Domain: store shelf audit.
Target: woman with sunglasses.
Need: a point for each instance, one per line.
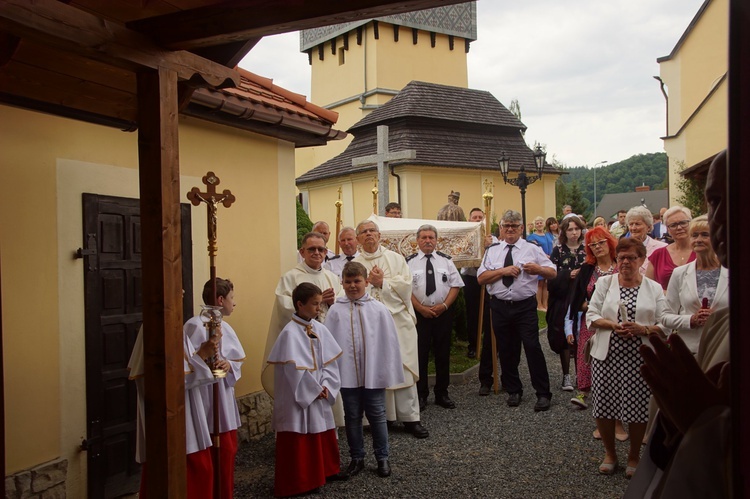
(663, 261)
(696, 289)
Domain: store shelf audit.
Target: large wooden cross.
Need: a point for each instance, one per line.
(382, 158)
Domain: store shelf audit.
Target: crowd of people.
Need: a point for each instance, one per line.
(608, 290)
(351, 336)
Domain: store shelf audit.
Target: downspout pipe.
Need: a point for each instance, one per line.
(666, 100)
(398, 185)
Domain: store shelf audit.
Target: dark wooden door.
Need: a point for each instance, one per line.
(112, 273)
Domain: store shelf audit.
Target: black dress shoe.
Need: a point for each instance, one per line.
(422, 403)
(416, 429)
(341, 476)
(384, 468)
(355, 466)
(445, 401)
(472, 354)
(514, 399)
(542, 404)
(484, 390)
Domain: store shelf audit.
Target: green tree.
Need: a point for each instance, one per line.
(576, 201)
(691, 192)
(304, 224)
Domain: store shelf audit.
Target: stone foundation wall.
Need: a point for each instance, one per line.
(46, 481)
(255, 413)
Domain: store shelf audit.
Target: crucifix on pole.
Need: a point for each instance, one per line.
(382, 158)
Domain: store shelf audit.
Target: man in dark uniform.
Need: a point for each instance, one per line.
(436, 282)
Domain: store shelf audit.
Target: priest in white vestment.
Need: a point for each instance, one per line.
(391, 284)
(310, 270)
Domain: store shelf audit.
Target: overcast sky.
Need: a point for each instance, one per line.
(582, 70)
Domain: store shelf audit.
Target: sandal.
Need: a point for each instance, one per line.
(597, 435)
(629, 472)
(622, 437)
(608, 468)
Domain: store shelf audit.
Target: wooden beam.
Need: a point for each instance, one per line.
(738, 155)
(8, 46)
(243, 19)
(59, 25)
(163, 345)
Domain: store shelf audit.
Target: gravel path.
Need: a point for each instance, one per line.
(483, 448)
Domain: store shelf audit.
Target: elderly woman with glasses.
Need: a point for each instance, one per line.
(624, 309)
(696, 289)
(663, 261)
(640, 223)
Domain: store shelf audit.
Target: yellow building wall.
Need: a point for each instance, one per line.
(376, 64)
(691, 75)
(425, 190)
(52, 161)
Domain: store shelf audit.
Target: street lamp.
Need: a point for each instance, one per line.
(523, 180)
(600, 163)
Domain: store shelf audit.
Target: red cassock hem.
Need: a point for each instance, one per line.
(200, 476)
(304, 460)
(228, 451)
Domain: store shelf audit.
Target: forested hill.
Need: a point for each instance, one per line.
(642, 169)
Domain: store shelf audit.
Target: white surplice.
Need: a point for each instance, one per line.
(284, 308)
(365, 331)
(232, 352)
(197, 375)
(305, 359)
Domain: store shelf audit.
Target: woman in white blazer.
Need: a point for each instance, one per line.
(696, 289)
(624, 309)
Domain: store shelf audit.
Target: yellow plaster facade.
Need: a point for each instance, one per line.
(372, 73)
(695, 76)
(424, 191)
(48, 162)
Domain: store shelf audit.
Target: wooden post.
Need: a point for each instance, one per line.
(163, 345)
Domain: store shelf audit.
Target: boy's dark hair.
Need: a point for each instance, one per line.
(223, 287)
(390, 206)
(354, 269)
(304, 292)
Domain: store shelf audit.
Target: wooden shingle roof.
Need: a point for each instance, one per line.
(449, 127)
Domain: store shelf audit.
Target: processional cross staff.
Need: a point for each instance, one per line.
(487, 197)
(212, 200)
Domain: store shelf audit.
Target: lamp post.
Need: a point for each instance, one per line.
(522, 181)
(600, 163)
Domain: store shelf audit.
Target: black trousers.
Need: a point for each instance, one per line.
(436, 334)
(516, 323)
(471, 297)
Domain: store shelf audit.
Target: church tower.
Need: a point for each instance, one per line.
(359, 66)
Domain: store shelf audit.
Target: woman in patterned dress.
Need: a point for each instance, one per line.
(624, 309)
(568, 256)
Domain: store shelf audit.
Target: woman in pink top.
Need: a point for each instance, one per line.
(663, 261)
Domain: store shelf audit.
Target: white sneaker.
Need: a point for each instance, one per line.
(567, 383)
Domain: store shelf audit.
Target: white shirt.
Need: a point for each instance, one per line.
(525, 285)
(336, 264)
(446, 277)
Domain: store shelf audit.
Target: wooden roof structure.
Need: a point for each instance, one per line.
(142, 60)
(450, 127)
(137, 65)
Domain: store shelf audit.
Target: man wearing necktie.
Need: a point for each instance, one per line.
(348, 245)
(435, 288)
(510, 269)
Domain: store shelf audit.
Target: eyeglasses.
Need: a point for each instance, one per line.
(597, 244)
(696, 235)
(681, 223)
(511, 226)
(626, 258)
(317, 249)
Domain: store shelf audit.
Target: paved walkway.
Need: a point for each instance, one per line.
(482, 448)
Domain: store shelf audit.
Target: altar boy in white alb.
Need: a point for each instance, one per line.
(370, 363)
(197, 435)
(231, 356)
(306, 373)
